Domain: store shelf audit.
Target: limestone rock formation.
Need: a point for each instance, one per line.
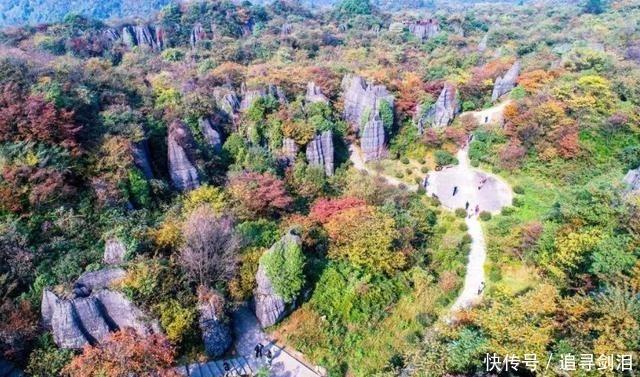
(145, 37)
(97, 280)
(424, 29)
(128, 36)
(182, 171)
(482, 46)
(140, 151)
(633, 179)
(441, 113)
(76, 322)
(197, 34)
(289, 149)
(285, 30)
(506, 83)
(320, 152)
(213, 322)
(373, 140)
(114, 251)
(110, 35)
(211, 135)
(314, 94)
(270, 307)
(250, 95)
(226, 101)
(362, 100)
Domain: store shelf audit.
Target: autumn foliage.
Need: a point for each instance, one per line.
(259, 194)
(125, 354)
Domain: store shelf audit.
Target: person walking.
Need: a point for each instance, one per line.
(466, 206)
(477, 209)
(269, 357)
(258, 348)
(455, 190)
(481, 288)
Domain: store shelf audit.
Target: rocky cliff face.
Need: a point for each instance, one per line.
(289, 150)
(441, 113)
(362, 100)
(114, 251)
(211, 135)
(250, 95)
(506, 83)
(182, 171)
(226, 101)
(270, 307)
(88, 316)
(633, 179)
(482, 46)
(320, 152)
(213, 322)
(197, 34)
(314, 94)
(373, 140)
(424, 29)
(144, 36)
(140, 151)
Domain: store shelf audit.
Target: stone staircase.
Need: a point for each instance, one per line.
(238, 366)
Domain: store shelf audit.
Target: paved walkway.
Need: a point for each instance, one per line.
(485, 190)
(247, 334)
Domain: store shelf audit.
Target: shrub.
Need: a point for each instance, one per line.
(444, 158)
(409, 171)
(211, 196)
(461, 213)
(518, 189)
(284, 266)
(466, 239)
(422, 161)
(172, 55)
(259, 233)
(463, 227)
(424, 170)
(399, 175)
(506, 211)
(485, 216)
(176, 320)
(404, 160)
(517, 202)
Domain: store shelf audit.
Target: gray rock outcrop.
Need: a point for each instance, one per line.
(128, 36)
(213, 322)
(482, 46)
(140, 151)
(320, 152)
(289, 150)
(250, 95)
(197, 34)
(285, 30)
(441, 113)
(314, 94)
(182, 171)
(114, 251)
(211, 135)
(78, 321)
(372, 140)
(424, 29)
(141, 35)
(633, 179)
(270, 307)
(506, 83)
(362, 100)
(145, 37)
(97, 280)
(226, 101)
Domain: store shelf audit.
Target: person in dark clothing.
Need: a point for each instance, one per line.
(455, 190)
(477, 209)
(481, 288)
(258, 350)
(466, 206)
(486, 119)
(269, 357)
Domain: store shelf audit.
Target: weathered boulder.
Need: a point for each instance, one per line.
(197, 34)
(441, 113)
(506, 83)
(289, 149)
(250, 95)
(213, 322)
(372, 140)
(270, 307)
(633, 179)
(140, 151)
(182, 171)
(76, 322)
(97, 280)
(114, 251)
(320, 152)
(424, 29)
(128, 36)
(110, 35)
(482, 46)
(362, 100)
(226, 101)
(314, 94)
(211, 135)
(145, 37)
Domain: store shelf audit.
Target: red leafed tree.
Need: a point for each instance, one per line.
(324, 209)
(18, 328)
(24, 185)
(32, 118)
(259, 194)
(124, 354)
(512, 154)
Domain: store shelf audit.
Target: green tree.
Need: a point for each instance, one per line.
(284, 266)
(351, 8)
